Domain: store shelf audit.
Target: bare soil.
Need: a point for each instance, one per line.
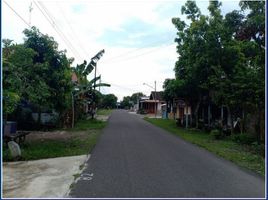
(56, 135)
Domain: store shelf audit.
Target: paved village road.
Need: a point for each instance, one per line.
(136, 159)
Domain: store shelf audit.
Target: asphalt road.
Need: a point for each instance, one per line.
(136, 159)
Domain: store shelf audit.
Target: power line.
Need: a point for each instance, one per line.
(123, 87)
(131, 51)
(55, 27)
(18, 14)
(145, 53)
(72, 30)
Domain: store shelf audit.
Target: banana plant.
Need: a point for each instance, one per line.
(84, 92)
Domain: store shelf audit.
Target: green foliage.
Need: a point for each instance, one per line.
(56, 87)
(244, 138)
(126, 102)
(129, 101)
(105, 112)
(88, 124)
(10, 101)
(136, 96)
(37, 72)
(216, 134)
(221, 58)
(108, 101)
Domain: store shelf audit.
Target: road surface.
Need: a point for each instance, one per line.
(133, 158)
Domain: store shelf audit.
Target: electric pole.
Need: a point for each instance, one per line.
(30, 12)
(155, 98)
(100, 83)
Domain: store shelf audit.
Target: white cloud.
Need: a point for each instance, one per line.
(88, 21)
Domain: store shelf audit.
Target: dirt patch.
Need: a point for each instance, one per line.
(56, 135)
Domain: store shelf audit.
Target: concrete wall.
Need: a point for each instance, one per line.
(46, 117)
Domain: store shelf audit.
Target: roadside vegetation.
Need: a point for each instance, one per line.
(250, 156)
(104, 111)
(46, 94)
(69, 142)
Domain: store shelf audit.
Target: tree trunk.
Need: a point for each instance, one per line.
(196, 113)
(209, 114)
(258, 127)
(229, 119)
(39, 117)
(186, 116)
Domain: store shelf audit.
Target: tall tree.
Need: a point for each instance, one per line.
(52, 62)
(220, 57)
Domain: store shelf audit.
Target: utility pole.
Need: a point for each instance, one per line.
(72, 109)
(155, 98)
(30, 12)
(100, 83)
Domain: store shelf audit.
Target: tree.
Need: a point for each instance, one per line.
(109, 101)
(57, 86)
(126, 102)
(136, 96)
(220, 57)
(20, 77)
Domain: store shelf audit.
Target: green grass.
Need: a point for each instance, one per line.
(89, 124)
(104, 112)
(240, 154)
(50, 148)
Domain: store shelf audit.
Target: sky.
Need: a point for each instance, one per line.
(137, 36)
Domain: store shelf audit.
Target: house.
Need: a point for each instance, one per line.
(179, 110)
(152, 104)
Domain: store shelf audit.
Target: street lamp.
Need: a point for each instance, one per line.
(153, 95)
(75, 89)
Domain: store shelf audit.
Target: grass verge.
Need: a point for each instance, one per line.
(242, 155)
(77, 141)
(106, 112)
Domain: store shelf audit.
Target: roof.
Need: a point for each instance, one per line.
(74, 77)
(149, 101)
(143, 98)
(158, 95)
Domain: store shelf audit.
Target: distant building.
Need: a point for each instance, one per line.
(152, 104)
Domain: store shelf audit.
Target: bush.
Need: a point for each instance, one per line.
(216, 134)
(244, 138)
(142, 111)
(258, 148)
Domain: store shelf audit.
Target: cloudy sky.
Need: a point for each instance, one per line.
(138, 36)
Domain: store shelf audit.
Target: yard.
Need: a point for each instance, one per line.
(247, 156)
(70, 142)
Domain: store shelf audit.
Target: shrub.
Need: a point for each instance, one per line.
(244, 138)
(216, 134)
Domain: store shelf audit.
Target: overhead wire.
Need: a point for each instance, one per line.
(72, 30)
(142, 54)
(52, 22)
(123, 87)
(132, 51)
(18, 14)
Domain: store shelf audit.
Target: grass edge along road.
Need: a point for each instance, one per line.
(105, 112)
(225, 148)
(77, 141)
